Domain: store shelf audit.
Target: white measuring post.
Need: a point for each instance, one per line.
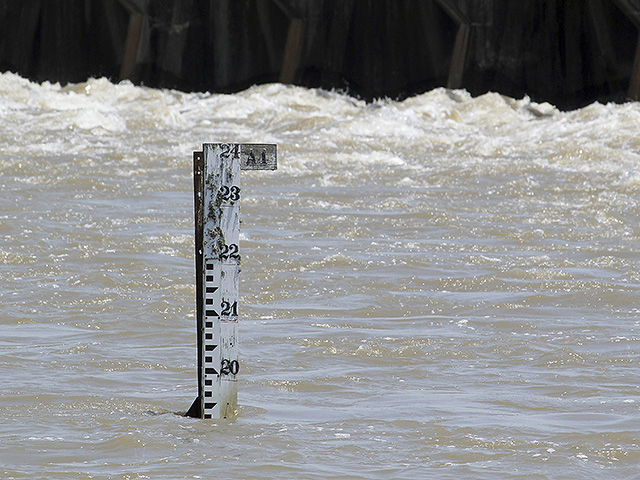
(216, 175)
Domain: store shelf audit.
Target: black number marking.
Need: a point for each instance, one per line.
(230, 252)
(229, 309)
(229, 194)
(229, 367)
(229, 149)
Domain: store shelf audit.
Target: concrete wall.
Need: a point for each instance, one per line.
(568, 52)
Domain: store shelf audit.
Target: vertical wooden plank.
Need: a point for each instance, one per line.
(434, 32)
(292, 51)
(459, 57)
(634, 82)
(606, 66)
(132, 42)
(338, 35)
(220, 39)
(19, 28)
(572, 22)
(460, 47)
(631, 10)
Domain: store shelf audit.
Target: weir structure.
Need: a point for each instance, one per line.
(567, 52)
(216, 177)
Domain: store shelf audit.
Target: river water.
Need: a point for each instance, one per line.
(444, 287)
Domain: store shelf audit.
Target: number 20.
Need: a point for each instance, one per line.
(229, 367)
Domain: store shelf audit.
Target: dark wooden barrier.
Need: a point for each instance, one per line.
(568, 52)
